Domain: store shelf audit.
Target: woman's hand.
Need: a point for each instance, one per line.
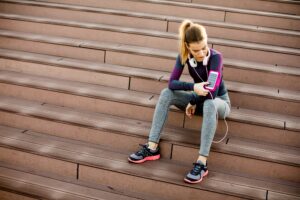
(199, 88)
(190, 110)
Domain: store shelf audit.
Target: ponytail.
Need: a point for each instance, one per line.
(182, 40)
(189, 32)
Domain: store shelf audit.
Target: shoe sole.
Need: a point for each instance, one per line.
(198, 181)
(151, 158)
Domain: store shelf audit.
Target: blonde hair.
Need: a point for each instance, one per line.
(189, 32)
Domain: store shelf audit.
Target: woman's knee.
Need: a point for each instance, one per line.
(166, 95)
(209, 106)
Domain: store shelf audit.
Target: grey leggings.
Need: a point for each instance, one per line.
(180, 99)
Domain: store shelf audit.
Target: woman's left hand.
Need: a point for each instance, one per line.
(190, 110)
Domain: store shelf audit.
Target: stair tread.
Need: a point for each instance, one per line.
(80, 87)
(82, 64)
(139, 128)
(160, 34)
(138, 98)
(142, 73)
(158, 17)
(162, 171)
(101, 157)
(138, 50)
(208, 7)
(223, 8)
(169, 54)
(48, 188)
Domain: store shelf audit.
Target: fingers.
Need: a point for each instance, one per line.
(204, 92)
(193, 111)
(189, 112)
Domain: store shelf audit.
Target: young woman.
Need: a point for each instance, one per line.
(194, 98)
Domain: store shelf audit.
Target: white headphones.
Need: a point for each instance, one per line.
(193, 61)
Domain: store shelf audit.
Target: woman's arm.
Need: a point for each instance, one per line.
(216, 64)
(174, 83)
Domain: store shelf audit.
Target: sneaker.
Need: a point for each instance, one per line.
(144, 154)
(197, 173)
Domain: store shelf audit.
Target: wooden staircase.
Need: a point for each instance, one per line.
(79, 81)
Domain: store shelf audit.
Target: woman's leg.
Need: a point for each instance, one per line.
(211, 110)
(209, 124)
(167, 98)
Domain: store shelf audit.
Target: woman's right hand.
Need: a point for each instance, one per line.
(199, 88)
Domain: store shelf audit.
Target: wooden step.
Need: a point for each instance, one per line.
(47, 188)
(51, 120)
(92, 50)
(130, 78)
(47, 88)
(162, 172)
(8, 195)
(140, 37)
(51, 66)
(243, 95)
(285, 7)
(263, 128)
(189, 10)
(215, 29)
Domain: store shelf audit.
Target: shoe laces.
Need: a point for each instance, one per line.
(197, 168)
(143, 151)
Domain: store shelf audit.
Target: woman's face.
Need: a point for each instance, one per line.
(198, 49)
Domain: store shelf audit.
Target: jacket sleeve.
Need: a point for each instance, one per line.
(174, 83)
(215, 64)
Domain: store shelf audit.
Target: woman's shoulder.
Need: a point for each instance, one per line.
(178, 60)
(214, 52)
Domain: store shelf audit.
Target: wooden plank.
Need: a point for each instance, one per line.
(43, 187)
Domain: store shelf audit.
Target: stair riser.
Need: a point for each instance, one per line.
(251, 131)
(52, 49)
(258, 56)
(260, 103)
(262, 56)
(256, 77)
(89, 103)
(238, 164)
(266, 21)
(238, 99)
(194, 13)
(9, 196)
(268, 6)
(70, 74)
(41, 163)
(278, 196)
(244, 35)
(92, 17)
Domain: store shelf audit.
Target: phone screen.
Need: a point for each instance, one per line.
(212, 79)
